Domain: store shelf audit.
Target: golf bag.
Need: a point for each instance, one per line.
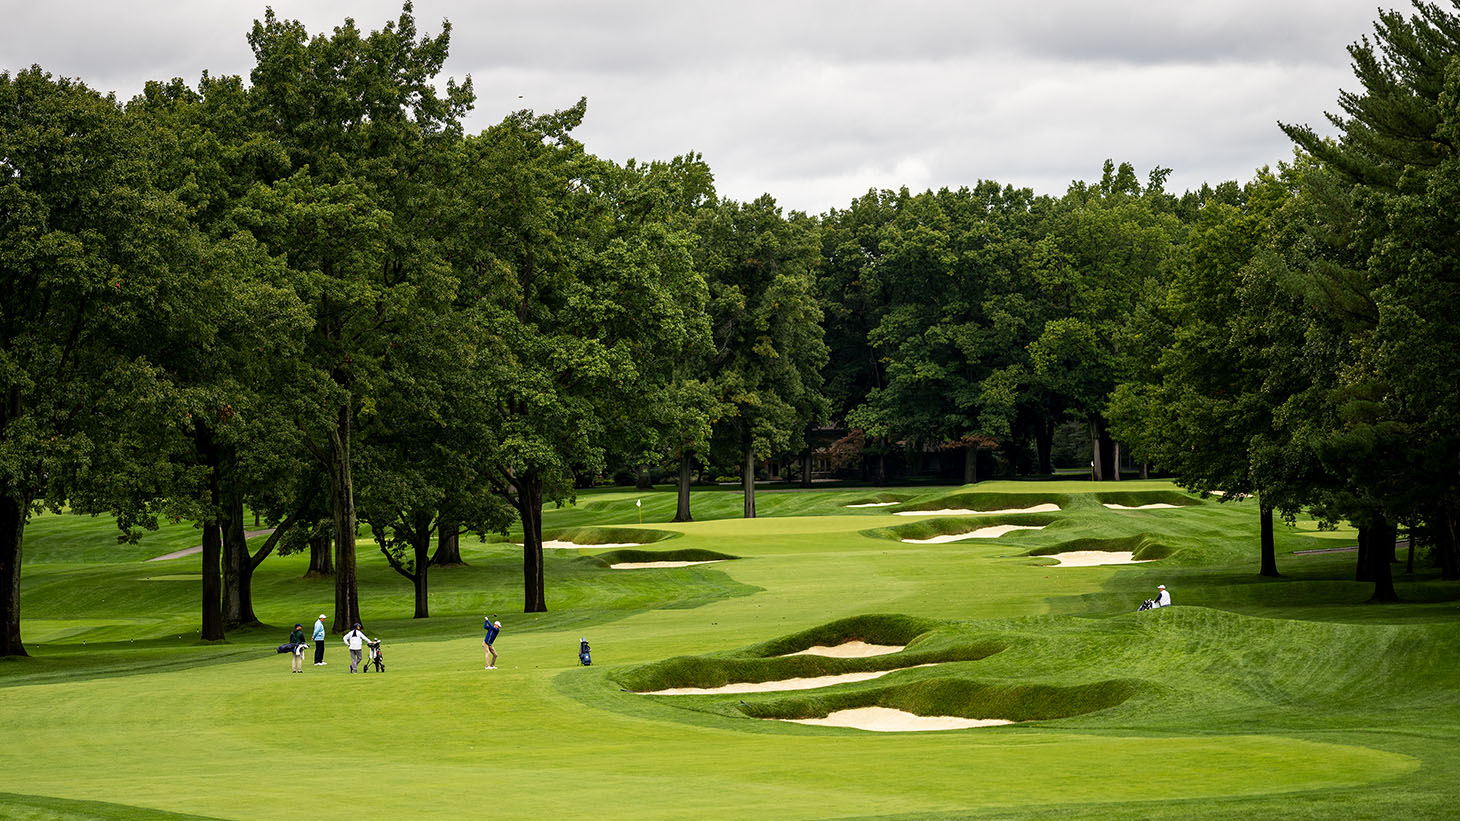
(1146, 605)
(585, 658)
(284, 648)
(377, 658)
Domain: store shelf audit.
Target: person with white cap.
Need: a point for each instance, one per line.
(1163, 598)
(319, 642)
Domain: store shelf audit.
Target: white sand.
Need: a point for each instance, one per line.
(888, 720)
(1091, 558)
(555, 544)
(810, 683)
(1044, 508)
(850, 650)
(1140, 507)
(876, 504)
(982, 533)
(637, 565)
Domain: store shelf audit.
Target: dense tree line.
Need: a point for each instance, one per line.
(312, 295)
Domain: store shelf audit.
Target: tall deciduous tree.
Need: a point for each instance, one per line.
(85, 239)
(360, 117)
(769, 348)
(578, 296)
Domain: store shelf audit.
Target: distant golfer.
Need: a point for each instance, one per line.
(489, 654)
(296, 651)
(319, 642)
(1163, 599)
(355, 640)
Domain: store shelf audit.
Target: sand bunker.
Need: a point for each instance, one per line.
(876, 504)
(888, 720)
(810, 683)
(850, 650)
(982, 533)
(1091, 558)
(638, 565)
(1044, 508)
(1140, 507)
(555, 544)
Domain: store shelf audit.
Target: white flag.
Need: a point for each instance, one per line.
(638, 503)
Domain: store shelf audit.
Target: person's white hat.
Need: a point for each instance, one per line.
(1160, 587)
(321, 615)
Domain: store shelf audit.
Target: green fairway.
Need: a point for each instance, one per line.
(1289, 696)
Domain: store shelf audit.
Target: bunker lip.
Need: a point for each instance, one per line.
(642, 565)
(1093, 558)
(556, 544)
(850, 650)
(810, 683)
(1048, 507)
(888, 720)
(982, 533)
(1155, 506)
(875, 504)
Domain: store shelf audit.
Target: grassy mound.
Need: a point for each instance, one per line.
(948, 525)
(965, 698)
(590, 536)
(1136, 498)
(877, 499)
(1142, 545)
(630, 555)
(764, 662)
(986, 501)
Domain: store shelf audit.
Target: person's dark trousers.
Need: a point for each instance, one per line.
(319, 652)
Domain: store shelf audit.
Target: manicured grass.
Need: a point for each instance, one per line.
(1290, 696)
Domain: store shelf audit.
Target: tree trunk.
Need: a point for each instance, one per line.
(1269, 549)
(1044, 444)
(1145, 470)
(681, 505)
(879, 475)
(320, 544)
(970, 465)
(1381, 556)
(212, 628)
(529, 508)
(342, 504)
(12, 534)
(1103, 453)
(747, 481)
(806, 461)
(237, 563)
(1362, 570)
(421, 542)
(448, 545)
(1445, 548)
(643, 480)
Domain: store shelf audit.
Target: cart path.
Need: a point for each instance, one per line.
(247, 534)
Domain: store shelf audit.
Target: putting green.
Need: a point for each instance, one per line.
(1231, 711)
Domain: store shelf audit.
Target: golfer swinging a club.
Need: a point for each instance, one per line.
(493, 627)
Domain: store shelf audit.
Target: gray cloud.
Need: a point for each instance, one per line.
(816, 101)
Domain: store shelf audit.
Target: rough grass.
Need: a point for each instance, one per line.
(589, 536)
(962, 697)
(629, 554)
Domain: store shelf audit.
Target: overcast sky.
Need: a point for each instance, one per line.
(815, 101)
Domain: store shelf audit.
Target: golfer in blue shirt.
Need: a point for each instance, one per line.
(489, 654)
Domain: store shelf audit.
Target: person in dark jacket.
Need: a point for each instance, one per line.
(296, 655)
